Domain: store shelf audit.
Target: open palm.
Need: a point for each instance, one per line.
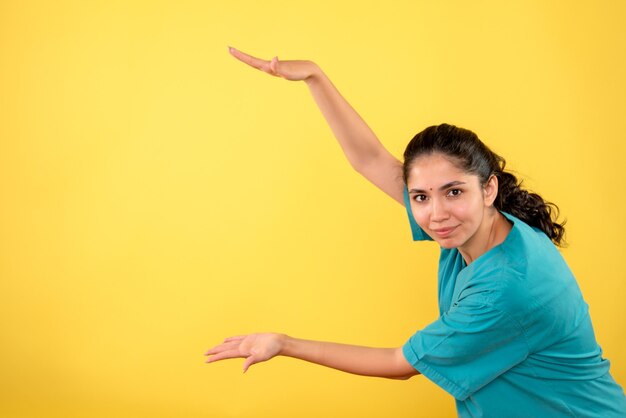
(255, 348)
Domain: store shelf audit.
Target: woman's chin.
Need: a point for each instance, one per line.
(448, 244)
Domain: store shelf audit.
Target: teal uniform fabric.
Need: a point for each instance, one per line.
(514, 337)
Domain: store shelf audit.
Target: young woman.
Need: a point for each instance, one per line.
(514, 337)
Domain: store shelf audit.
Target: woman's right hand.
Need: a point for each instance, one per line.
(290, 70)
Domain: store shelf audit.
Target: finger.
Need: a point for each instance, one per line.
(224, 355)
(249, 362)
(222, 347)
(235, 338)
(257, 63)
(274, 65)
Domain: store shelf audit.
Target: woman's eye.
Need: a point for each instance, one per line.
(419, 197)
(455, 192)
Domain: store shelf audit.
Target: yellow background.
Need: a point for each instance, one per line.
(157, 196)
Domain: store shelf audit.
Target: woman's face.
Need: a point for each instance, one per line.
(447, 203)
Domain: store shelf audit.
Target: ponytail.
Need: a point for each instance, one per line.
(529, 207)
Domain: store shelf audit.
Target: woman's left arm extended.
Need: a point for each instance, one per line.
(365, 361)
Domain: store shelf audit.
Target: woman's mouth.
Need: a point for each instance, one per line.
(444, 232)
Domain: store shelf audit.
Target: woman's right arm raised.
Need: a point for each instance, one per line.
(361, 146)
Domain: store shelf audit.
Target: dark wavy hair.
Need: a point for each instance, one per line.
(469, 154)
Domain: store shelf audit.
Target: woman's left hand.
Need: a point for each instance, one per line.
(255, 348)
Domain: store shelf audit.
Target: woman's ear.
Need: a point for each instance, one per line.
(490, 190)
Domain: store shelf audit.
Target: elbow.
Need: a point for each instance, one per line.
(359, 165)
(403, 369)
(406, 376)
(365, 161)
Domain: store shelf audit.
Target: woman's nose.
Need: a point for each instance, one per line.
(438, 211)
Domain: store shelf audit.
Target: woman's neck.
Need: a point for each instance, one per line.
(492, 232)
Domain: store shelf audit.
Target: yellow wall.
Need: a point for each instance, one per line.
(157, 196)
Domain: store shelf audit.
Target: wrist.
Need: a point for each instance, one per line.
(315, 74)
(284, 343)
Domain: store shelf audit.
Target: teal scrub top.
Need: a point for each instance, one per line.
(514, 337)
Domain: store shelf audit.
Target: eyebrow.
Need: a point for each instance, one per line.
(442, 188)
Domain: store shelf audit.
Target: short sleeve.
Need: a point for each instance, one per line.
(417, 232)
(467, 347)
